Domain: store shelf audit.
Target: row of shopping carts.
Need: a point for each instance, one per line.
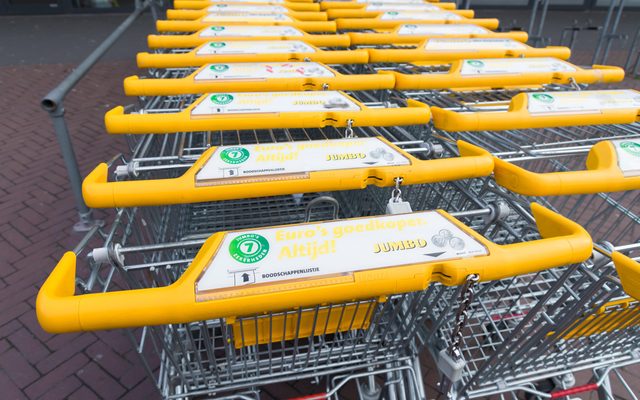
(331, 192)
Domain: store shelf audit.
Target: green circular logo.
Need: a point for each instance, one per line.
(234, 155)
(475, 63)
(222, 98)
(218, 28)
(217, 45)
(543, 97)
(249, 248)
(632, 148)
(219, 67)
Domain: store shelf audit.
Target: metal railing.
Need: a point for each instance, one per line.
(53, 103)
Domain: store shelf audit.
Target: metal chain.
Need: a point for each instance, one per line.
(466, 297)
(348, 133)
(396, 193)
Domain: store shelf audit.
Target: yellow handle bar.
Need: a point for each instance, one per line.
(193, 26)
(195, 83)
(423, 53)
(457, 78)
(199, 5)
(362, 13)
(117, 122)
(195, 58)
(518, 115)
(629, 273)
(376, 23)
(603, 174)
(191, 15)
(60, 310)
(384, 38)
(331, 5)
(475, 162)
(197, 39)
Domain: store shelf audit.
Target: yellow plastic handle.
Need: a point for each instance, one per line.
(196, 14)
(117, 122)
(475, 162)
(335, 5)
(602, 175)
(134, 86)
(455, 79)
(422, 54)
(363, 13)
(199, 5)
(376, 23)
(519, 117)
(384, 38)
(59, 310)
(192, 59)
(197, 39)
(194, 26)
(629, 273)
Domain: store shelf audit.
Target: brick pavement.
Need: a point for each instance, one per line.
(36, 215)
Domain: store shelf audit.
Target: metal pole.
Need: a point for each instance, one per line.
(628, 64)
(614, 32)
(604, 33)
(53, 104)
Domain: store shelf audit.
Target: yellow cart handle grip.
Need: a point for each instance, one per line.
(98, 192)
(193, 26)
(365, 38)
(336, 5)
(454, 78)
(191, 59)
(195, 40)
(363, 13)
(420, 54)
(59, 310)
(602, 175)
(629, 273)
(117, 122)
(518, 117)
(199, 5)
(375, 23)
(134, 86)
(191, 15)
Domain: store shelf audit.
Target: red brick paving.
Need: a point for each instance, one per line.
(36, 216)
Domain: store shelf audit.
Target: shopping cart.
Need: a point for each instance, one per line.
(258, 9)
(429, 12)
(531, 333)
(448, 49)
(225, 33)
(249, 51)
(438, 49)
(418, 32)
(264, 110)
(480, 76)
(535, 151)
(541, 110)
(393, 19)
(357, 323)
(246, 5)
(244, 19)
(328, 5)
